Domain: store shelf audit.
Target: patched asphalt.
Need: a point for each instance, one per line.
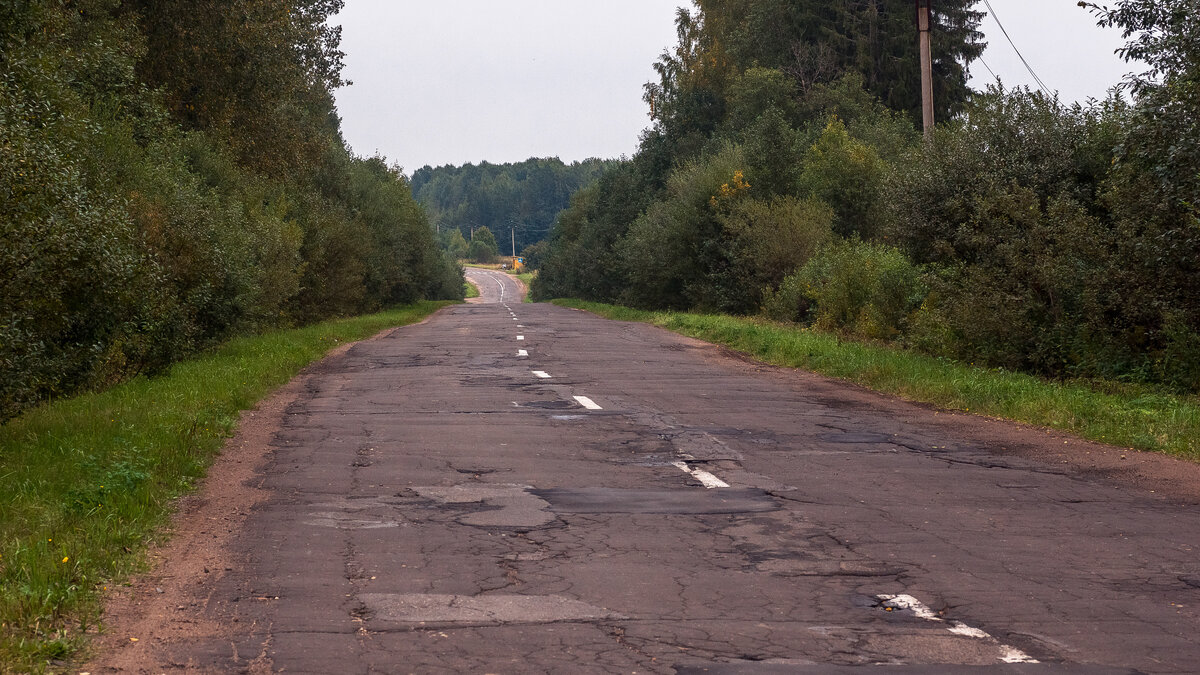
(436, 507)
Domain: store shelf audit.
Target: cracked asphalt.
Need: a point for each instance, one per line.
(434, 506)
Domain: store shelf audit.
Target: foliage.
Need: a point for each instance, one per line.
(534, 254)
(172, 176)
(846, 174)
(859, 288)
(454, 244)
(482, 248)
(1058, 240)
(525, 196)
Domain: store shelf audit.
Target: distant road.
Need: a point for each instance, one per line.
(494, 287)
(514, 488)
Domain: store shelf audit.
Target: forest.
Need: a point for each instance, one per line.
(514, 200)
(784, 176)
(172, 174)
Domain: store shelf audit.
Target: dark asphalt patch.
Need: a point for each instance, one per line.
(856, 437)
(675, 502)
(551, 405)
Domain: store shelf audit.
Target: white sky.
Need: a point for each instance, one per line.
(456, 81)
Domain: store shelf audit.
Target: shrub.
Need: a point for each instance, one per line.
(859, 288)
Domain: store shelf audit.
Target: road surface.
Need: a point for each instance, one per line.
(516, 488)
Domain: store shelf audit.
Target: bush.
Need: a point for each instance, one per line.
(674, 254)
(846, 174)
(483, 248)
(771, 238)
(855, 287)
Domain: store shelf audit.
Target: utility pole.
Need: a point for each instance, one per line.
(513, 231)
(924, 24)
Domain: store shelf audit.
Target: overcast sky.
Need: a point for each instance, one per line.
(456, 81)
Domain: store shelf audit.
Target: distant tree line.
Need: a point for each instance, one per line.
(525, 197)
(784, 176)
(172, 174)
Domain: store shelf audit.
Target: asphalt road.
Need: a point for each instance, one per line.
(517, 488)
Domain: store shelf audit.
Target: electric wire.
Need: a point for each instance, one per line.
(1041, 85)
(989, 68)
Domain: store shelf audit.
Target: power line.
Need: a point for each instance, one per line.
(989, 68)
(1041, 85)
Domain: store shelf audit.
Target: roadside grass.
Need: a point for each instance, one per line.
(527, 279)
(1114, 413)
(86, 483)
(472, 291)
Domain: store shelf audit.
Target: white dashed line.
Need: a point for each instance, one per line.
(588, 403)
(541, 373)
(522, 352)
(706, 479)
(520, 337)
(1008, 654)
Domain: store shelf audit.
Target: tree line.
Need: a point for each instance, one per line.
(520, 200)
(172, 174)
(784, 176)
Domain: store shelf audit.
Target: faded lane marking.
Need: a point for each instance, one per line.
(541, 373)
(588, 403)
(522, 352)
(1008, 653)
(520, 337)
(706, 479)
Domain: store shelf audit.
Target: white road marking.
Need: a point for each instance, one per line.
(1008, 654)
(541, 373)
(522, 352)
(1014, 655)
(706, 479)
(588, 403)
(520, 337)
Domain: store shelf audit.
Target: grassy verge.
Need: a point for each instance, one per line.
(527, 279)
(1124, 416)
(85, 483)
(472, 291)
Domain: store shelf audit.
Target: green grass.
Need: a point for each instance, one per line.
(86, 483)
(472, 291)
(1107, 412)
(527, 279)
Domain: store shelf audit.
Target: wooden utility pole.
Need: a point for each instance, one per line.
(924, 24)
(513, 230)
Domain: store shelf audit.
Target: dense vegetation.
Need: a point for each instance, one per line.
(784, 176)
(522, 198)
(171, 175)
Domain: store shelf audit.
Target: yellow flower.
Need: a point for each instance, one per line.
(66, 558)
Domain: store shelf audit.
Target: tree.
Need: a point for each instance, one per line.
(483, 247)
(527, 195)
(454, 243)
